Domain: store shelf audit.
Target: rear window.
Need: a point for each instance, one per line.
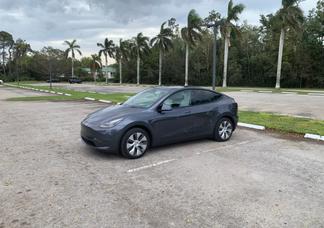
(203, 97)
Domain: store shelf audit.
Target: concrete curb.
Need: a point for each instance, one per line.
(314, 137)
(315, 94)
(289, 92)
(105, 101)
(252, 126)
(89, 99)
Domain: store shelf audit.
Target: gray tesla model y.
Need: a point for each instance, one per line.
(160, 116)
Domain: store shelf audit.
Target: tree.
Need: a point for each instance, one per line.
(191, 34)
(122, 53)
(289, 16)
(140, 48)
(227, 27)
(163, 42)
(107, 49)
(6, 42)
(72, 48)
(21, 48)
(95, 65)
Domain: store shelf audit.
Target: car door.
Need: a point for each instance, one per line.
(203, 109)
(174, 124)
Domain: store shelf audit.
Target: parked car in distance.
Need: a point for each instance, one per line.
(1, 82)
(160, 116)
(75, 80)
(53, 80)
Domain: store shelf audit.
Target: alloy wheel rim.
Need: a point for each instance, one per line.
(136, 144)
(225, 129)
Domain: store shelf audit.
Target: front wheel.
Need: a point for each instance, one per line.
(223, 130)
(135, 143)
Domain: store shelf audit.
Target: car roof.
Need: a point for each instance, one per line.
(176, 88)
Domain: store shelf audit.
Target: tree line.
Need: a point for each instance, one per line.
(286, 49)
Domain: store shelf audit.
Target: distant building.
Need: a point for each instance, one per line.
(109, 70)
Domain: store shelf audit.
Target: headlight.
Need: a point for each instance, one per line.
(111, 123)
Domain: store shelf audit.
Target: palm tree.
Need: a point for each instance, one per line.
(72, 47)
(164, 43)
(95, 65)
(289, 16)
(139, 48)
(227, 27)
(107, 49)
(191, 34)
(122, 52)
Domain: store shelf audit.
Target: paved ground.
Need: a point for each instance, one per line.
(289, 104)
(48, 178)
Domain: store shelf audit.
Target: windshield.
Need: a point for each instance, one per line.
(146, 98)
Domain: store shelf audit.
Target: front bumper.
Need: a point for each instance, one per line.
(99, 138)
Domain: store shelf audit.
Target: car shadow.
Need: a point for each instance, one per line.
(101, 154)
(111, 155)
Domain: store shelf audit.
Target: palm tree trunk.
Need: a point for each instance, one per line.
(225, 61)
(9, 65)
(281, 46)
(187, 64)
(106, 73)
(72, 67)
(17, 70)
(3, 61)
(138, 69)
(120, 72)
(160, 68)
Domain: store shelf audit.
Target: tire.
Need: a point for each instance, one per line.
(134, 143)
(223, 130)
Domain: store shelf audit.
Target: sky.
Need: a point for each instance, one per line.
(50, 22)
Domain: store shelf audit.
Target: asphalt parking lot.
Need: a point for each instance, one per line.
(49, 178)
(309, 106)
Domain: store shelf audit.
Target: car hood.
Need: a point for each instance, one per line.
(110, 113)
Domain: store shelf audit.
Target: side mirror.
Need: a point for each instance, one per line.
(165, 108)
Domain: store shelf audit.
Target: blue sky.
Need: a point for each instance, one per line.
(50, 22)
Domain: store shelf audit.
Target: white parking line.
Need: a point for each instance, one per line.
(150, 166)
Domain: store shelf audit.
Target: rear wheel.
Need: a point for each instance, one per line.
(135, 143)
(223, 130)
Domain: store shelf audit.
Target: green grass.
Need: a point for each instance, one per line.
(283, 123)
(75, 95)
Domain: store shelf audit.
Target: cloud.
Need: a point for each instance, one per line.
(51, 22)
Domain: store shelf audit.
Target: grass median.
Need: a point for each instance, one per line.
(282, 123)
(75, 95)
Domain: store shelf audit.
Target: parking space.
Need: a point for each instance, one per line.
(49, 178)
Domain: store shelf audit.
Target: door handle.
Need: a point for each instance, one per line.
(187, 112)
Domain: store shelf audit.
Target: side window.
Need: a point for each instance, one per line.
(203, 97)
(180, 99)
